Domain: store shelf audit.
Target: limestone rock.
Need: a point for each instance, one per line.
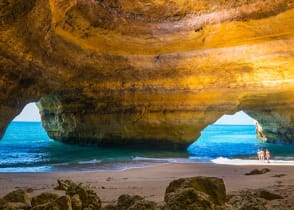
(110, 207)
(212, 186)
(132, 202)
(125, 201)
(188, 199)
(61, 203)
(65, 185)
(19, 197)
(268, 195)
(258, 171)
(44, 198)
(245, 201)
(143, 205)
(146, 72)
(14, 206)
(82, 196)
(76, 202)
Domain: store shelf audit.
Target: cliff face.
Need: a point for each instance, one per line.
(147, 72)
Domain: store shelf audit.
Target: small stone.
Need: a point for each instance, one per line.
(268, 195)
(278, 175)
(258, 172)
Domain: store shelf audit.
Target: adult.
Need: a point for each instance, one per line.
(261, 155)
(258, 154)
(267, 155)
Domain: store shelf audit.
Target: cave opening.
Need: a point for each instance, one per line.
(231, 136)
(26, 126)
(22, 142)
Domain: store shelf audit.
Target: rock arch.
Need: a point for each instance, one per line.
(147, 72)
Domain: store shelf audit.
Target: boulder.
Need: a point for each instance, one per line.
(132, 202)
(212, 186)
(188, 199)
(110, 207)
(82, 196)
(143, 205)
(44, 198)
(61, 203)
(246, 201)
(14, 206)
(76, 202)
(125, 201)
(19, 196)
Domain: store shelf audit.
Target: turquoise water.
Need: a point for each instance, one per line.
(26, 147)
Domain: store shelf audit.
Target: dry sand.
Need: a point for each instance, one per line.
(152, 181)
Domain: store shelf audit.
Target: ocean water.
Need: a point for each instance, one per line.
(26, 147)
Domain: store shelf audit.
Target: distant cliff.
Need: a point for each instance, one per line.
(147, 72)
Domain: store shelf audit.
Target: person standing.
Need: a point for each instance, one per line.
(261, 155)
(258, 154)
(267, 155)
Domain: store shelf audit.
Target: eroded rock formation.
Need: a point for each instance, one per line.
(147, 72)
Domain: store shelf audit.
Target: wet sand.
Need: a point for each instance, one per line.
(152, 181)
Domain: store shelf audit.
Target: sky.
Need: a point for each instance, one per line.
(31, 113)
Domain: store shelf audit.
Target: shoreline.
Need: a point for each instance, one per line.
(150, 181)
(90, 166)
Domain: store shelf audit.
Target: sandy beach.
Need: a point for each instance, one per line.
(152, 181)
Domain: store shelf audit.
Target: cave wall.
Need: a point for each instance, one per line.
(152, 72)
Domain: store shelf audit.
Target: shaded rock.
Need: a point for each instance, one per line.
(278, 175)
(94, 200)
(268, 195)
(76, 202)
(212, 186)
(61, 203)
(82, 196)
(125, 201)
(132, 202)
(257, 171)
(81, 192)
(246, 201)
(110, 207)
(44, 198)
(143, 205)
(65, 184)
(188, 199)
(19, 196)
(14, 206)
(40, 207)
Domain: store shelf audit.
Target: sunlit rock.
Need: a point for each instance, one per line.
(149, 72)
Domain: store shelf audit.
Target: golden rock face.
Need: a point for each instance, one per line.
(147, 72)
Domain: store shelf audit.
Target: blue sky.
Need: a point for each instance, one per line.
(31, 113)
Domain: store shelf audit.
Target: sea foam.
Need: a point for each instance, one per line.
(227, 161)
